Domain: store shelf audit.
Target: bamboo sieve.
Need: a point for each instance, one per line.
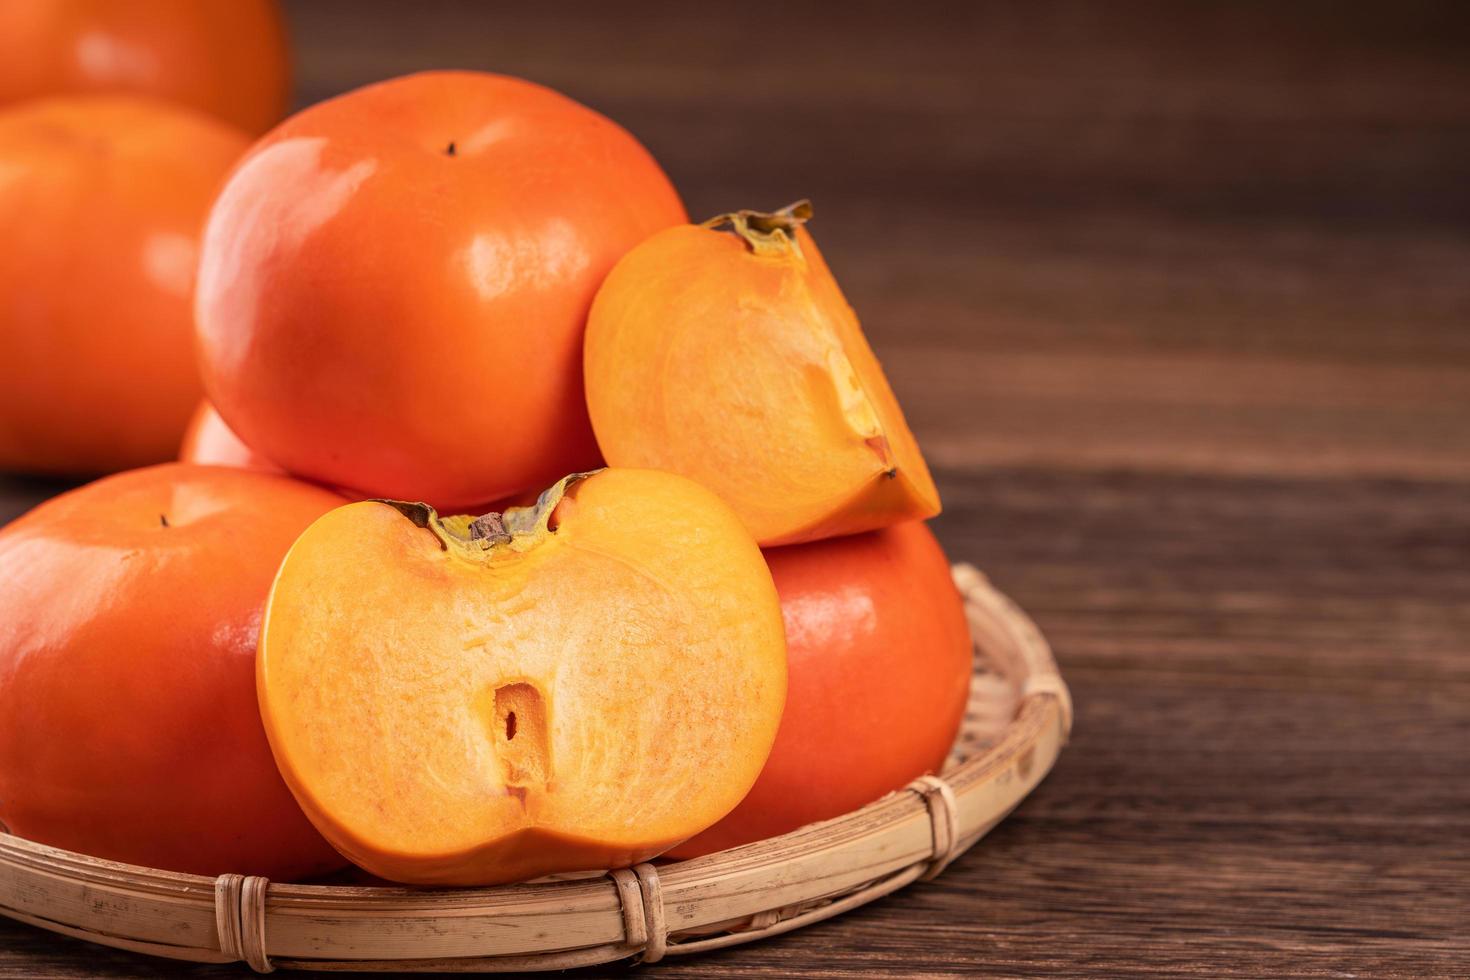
(1018, 717)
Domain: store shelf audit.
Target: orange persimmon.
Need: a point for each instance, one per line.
(579, 684)
(733, 359)
(226, 58)
(128, 625)
(209, 441)
(395, 282)
(879, 674)
(101, 203)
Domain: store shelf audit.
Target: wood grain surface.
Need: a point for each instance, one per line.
(1177, 297)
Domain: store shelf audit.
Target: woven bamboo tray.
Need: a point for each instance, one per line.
(1018, 718)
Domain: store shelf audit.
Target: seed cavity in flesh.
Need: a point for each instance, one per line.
(522, 737)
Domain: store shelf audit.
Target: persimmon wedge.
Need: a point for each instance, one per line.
(575, 685)
(731, 357)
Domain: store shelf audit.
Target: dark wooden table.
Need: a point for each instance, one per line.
(1178, 299)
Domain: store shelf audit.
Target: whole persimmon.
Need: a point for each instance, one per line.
(395, 282)
(731, 357)
(209, 441)
(570, 686)
(879, 665)
(227, 58)
(101, 203)
(129, 615)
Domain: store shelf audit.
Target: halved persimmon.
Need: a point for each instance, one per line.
(733, 358)
(575, 685)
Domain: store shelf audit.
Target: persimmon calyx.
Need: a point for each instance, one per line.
(516, 530)
(766, 232)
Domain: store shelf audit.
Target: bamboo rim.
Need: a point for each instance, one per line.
(651, 911)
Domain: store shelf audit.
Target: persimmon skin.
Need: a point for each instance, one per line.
(733, 359)
(209, 441)
(395, 282)
(228, 60)
(101, 202)
(879, 663)
(128, 620)
(595, 686)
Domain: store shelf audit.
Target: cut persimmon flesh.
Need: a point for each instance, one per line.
(732, 358)
(580, 684)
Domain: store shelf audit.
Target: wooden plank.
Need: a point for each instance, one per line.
(1176, 297)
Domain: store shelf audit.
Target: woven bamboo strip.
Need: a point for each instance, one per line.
(736, 896)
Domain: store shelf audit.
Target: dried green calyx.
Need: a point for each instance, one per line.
(516, 530)
(766, 232)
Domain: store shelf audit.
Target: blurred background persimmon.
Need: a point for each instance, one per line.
(101, 202)
(227, 58)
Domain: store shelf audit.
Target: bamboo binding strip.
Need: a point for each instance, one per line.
(1020, 715)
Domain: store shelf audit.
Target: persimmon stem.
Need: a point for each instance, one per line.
(517, 529)
(765, 232)
(489, 527)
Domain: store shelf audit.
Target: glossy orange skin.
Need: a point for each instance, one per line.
(128, 720)
(394, 284)
(226, 58)
(209, 441)
(878, 668)
(101, 203)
